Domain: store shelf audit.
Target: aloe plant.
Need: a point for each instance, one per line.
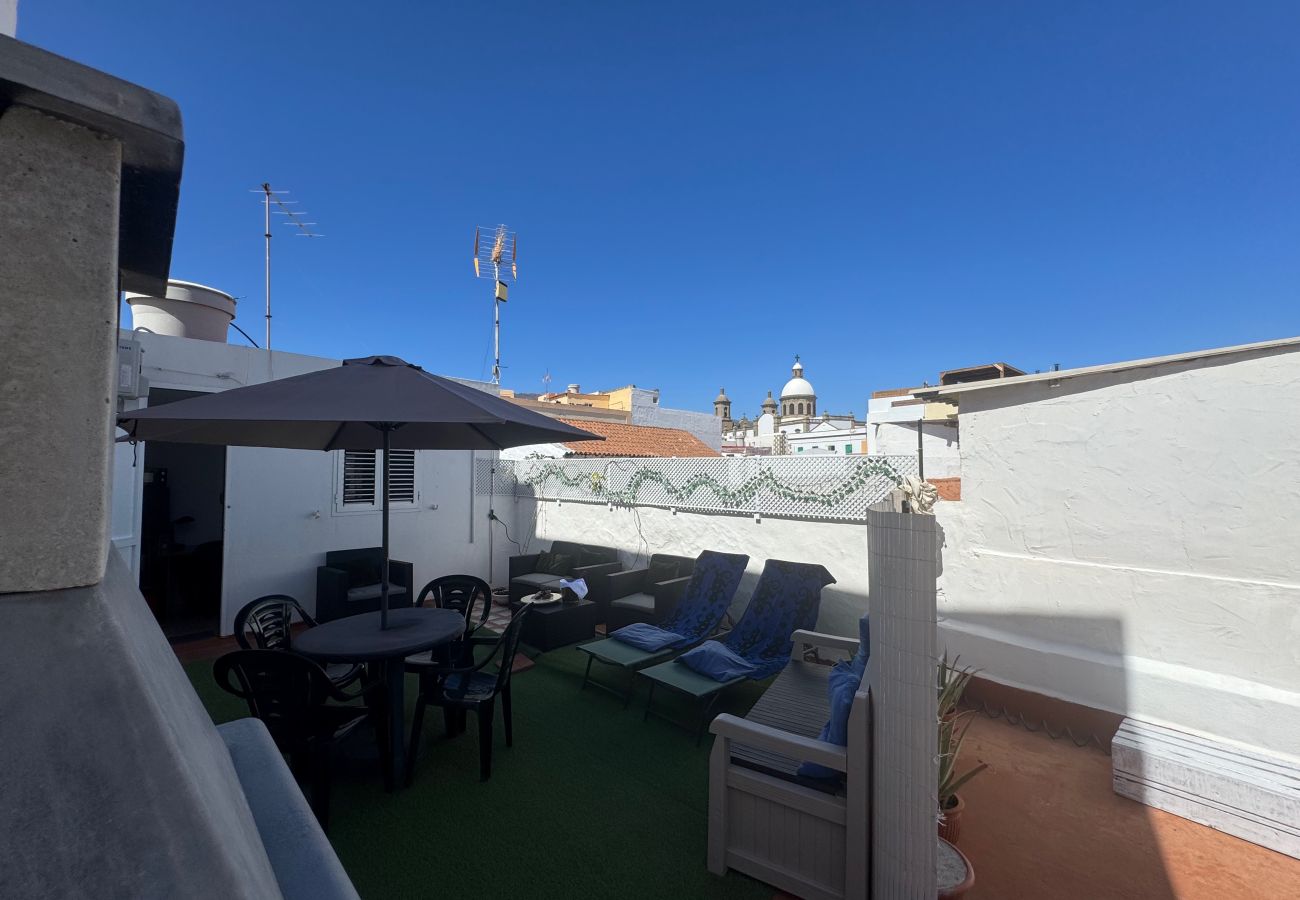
(952, 730)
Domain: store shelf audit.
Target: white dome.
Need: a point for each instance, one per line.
(797, 388)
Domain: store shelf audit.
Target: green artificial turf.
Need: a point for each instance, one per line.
(590, 802)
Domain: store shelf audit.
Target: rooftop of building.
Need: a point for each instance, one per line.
(635, 441)
(1281, 344)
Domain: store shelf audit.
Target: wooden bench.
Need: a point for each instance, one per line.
(806, 836)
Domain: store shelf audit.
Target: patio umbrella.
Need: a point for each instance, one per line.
(372, 403)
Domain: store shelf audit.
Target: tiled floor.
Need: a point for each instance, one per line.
(1044, 822)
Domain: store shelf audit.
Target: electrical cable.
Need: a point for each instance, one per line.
(497, 519)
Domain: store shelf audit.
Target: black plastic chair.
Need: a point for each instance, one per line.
(461, 593)
(290, 694)
(466, 688)
(269, 620)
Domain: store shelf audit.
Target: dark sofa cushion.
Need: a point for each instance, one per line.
(661, 570)
(554, 563)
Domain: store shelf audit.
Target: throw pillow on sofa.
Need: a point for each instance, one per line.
(661, 570)
(555, 563)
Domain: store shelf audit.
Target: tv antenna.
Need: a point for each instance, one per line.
(297, 218)
(495, 258)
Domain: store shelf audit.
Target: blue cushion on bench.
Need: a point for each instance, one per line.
(717, 661)
(864, 646)
(648, 637)
(845, 679)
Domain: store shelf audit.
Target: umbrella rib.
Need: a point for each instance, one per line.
(329, 445)
(482, 434)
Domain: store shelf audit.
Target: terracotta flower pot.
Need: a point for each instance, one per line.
(950, 825)
(956, 874)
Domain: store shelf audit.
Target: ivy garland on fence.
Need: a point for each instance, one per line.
(594, 483)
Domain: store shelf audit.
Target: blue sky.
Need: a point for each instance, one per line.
(703, 190)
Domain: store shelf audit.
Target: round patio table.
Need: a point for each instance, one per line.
(359, 639)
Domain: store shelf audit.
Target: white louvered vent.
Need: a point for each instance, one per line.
(358, 477)
(401, 476)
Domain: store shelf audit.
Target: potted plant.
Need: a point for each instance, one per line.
(952, 733)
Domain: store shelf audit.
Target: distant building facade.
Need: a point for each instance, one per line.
(629, 405)
(899, 423)
(789, 424)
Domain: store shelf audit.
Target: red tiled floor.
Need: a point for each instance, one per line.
(1044, 822)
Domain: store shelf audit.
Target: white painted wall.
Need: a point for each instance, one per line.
(647, 411)
(1130, 541)
(939, 444)
(9, 17)
(824, 435)
(280, 511)
(638, 532)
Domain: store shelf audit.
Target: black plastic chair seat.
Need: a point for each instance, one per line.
(471, 688)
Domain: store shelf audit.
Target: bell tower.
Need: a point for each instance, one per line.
(722, 408)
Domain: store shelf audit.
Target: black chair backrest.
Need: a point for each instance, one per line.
(461, 593)
(269, 618)
(510, 645)
(281, 688)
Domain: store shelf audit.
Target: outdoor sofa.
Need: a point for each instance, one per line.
(649, 593)
(807, 836)
(529, 573)
(349, 583)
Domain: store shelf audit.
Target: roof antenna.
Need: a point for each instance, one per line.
(497, 252)
(296, 218)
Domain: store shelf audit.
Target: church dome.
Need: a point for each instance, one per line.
(797, 387)
(722, 396)
(769, 403)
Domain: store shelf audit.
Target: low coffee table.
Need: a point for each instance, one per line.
(552, 625)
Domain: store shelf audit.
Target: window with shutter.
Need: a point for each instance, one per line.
(401, 476)
(360, 481)
(359, 477)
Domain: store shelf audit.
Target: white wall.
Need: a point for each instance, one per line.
(281, 520)
(704, 425)
(939, 444)
(280, 513)
(1130, 541)
(9, 17)
(840, 547)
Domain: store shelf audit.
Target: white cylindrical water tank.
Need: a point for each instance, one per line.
(189, 310)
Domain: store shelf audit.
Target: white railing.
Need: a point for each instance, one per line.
(812, 487)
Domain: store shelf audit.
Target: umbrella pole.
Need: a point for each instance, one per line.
(383, 589)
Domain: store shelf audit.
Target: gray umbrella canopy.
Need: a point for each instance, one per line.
(373, 403)
(342, 408)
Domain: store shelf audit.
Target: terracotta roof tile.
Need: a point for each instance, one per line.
(635, 440)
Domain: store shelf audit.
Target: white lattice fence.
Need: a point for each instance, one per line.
(813, 487)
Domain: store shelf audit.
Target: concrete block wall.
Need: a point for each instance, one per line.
(58, 286)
